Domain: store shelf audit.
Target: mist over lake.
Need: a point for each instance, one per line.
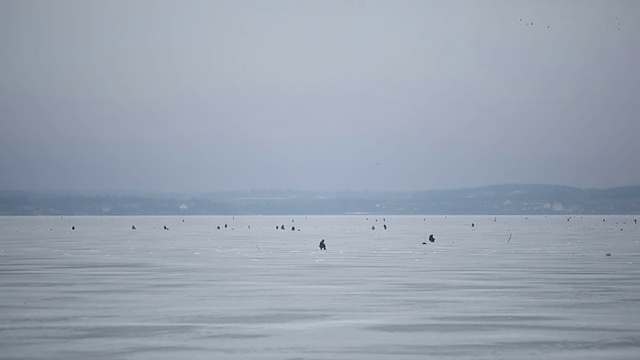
(505, 287)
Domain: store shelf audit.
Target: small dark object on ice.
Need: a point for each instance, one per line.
(608, 254)
(322, 245)
(431, 238)
(133, 227)
(165, 227)
(73, 228)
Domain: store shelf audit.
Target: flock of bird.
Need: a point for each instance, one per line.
(531, 23)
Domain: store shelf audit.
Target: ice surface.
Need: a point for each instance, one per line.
(249, 291)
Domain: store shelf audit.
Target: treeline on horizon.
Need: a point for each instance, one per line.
(489, 200)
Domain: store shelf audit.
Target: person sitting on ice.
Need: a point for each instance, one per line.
(322, 245)
(431, 238)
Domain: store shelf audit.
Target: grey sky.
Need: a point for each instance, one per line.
(326, 95)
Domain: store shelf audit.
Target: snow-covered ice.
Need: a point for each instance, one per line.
(509, 287)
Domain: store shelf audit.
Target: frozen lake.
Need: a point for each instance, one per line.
(509, 287)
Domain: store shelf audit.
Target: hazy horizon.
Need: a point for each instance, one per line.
(203, 96)
(178, 192)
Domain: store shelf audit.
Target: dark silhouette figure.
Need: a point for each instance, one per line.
(225, 226)
(293, 228)
(322, 245)
(281, 227)
(373, 227)
(431, 238)
(472, 224)
(635, 221)
(385, 226)
(133, 227)
(73, 228)
(165, 227)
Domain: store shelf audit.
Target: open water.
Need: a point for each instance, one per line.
(509, 287)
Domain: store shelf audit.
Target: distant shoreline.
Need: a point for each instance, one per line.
(489, 200)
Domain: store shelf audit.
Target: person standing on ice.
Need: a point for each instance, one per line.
(322, 245)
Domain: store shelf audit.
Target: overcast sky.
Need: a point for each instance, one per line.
(318, 95)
